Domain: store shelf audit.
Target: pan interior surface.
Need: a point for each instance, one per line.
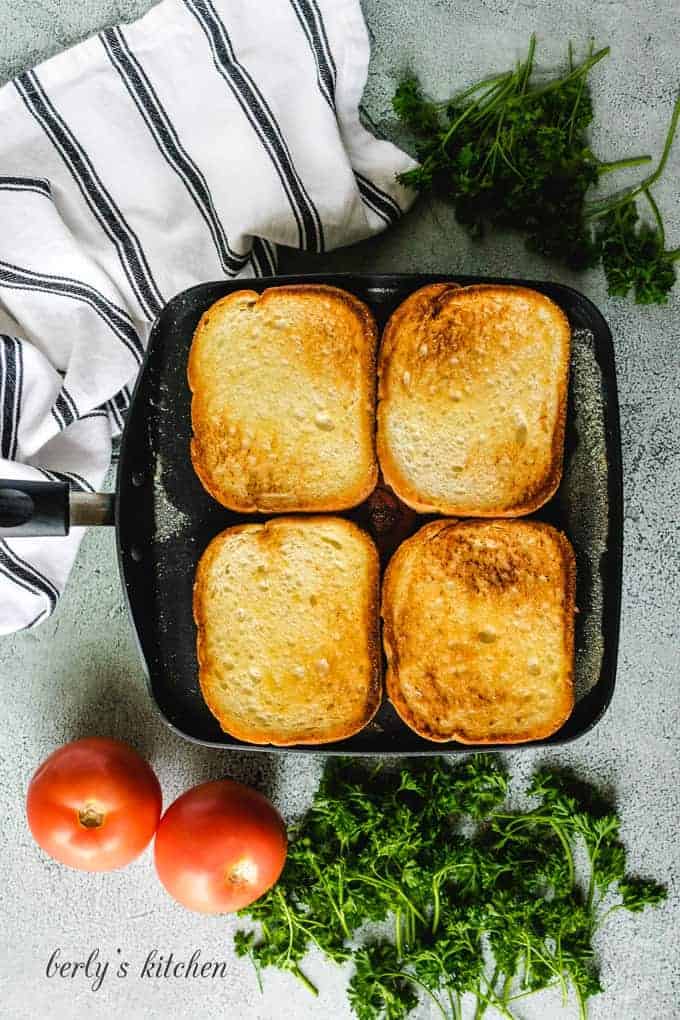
(166, 519)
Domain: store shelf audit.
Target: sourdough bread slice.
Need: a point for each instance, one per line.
(283, 400)
(472, 400)
(287, 617)
(479, 631)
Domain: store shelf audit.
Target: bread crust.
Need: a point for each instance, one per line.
(423, 305)
(369, 623)
(200, 417)
(400, 587)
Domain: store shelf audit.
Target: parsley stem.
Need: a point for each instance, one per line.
(404, 975)
(467, 112)
(580, 69)
(612, 910)
(305, 980)
(502, 86)
(622, 164)
(517, 820)
(505, 159)
(603, 918)
(591, 884)
(257, 972)
(622, 232)
(289, 921)
(560, 967)
(393, 887)
(459, 96)
(436, 893)
(491, 999)
(610, 205)
(525, 72)
(670, 135)
(495, 97)
(531, 991)
(436, 905)
(527, 965)
(657, 216)
(567, 849)
(581, 85)
(336, 909)
(455, 1004)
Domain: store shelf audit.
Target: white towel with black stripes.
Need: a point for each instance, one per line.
(181, 148)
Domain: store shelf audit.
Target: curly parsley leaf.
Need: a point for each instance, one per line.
(634, 256)
(378, 988)
(638, 893)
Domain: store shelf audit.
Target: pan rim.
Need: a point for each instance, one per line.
(605, 685)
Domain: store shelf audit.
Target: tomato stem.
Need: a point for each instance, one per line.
(90, 818)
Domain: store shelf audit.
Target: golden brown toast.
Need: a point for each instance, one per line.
(479, 631)
(472, 397)
(283, 402)
(288, 644)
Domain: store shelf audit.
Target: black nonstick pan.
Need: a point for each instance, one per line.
(164, 518)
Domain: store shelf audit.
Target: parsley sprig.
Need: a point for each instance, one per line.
(479, 899)
(512, 153)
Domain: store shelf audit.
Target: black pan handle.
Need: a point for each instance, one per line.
(31, 509)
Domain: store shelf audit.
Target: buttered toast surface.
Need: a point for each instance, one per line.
(472, 399)
(283, 400)
(288, 637)
(479, 631)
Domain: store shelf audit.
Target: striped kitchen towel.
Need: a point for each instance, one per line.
(182, 148)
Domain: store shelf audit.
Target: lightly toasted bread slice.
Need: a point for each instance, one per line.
(288, 631)
(479, 631)
(472, 397)
(283, 406)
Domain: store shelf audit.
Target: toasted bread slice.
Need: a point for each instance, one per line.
(287, 616)
(283, 401)
(472, 400)
(479, 631)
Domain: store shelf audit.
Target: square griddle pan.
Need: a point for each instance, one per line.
(165, 519)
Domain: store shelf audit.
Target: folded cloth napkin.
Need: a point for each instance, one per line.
(178, 149)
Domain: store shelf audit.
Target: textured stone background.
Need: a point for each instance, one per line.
(80, 674)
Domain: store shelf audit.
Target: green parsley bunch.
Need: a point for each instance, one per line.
(481, 900)
(511, 153)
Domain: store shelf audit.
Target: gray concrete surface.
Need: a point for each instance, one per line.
(79, 673)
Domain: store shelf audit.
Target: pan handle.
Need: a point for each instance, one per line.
(30, 509)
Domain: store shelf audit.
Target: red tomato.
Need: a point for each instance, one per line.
(220, 846)
(94, 804)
